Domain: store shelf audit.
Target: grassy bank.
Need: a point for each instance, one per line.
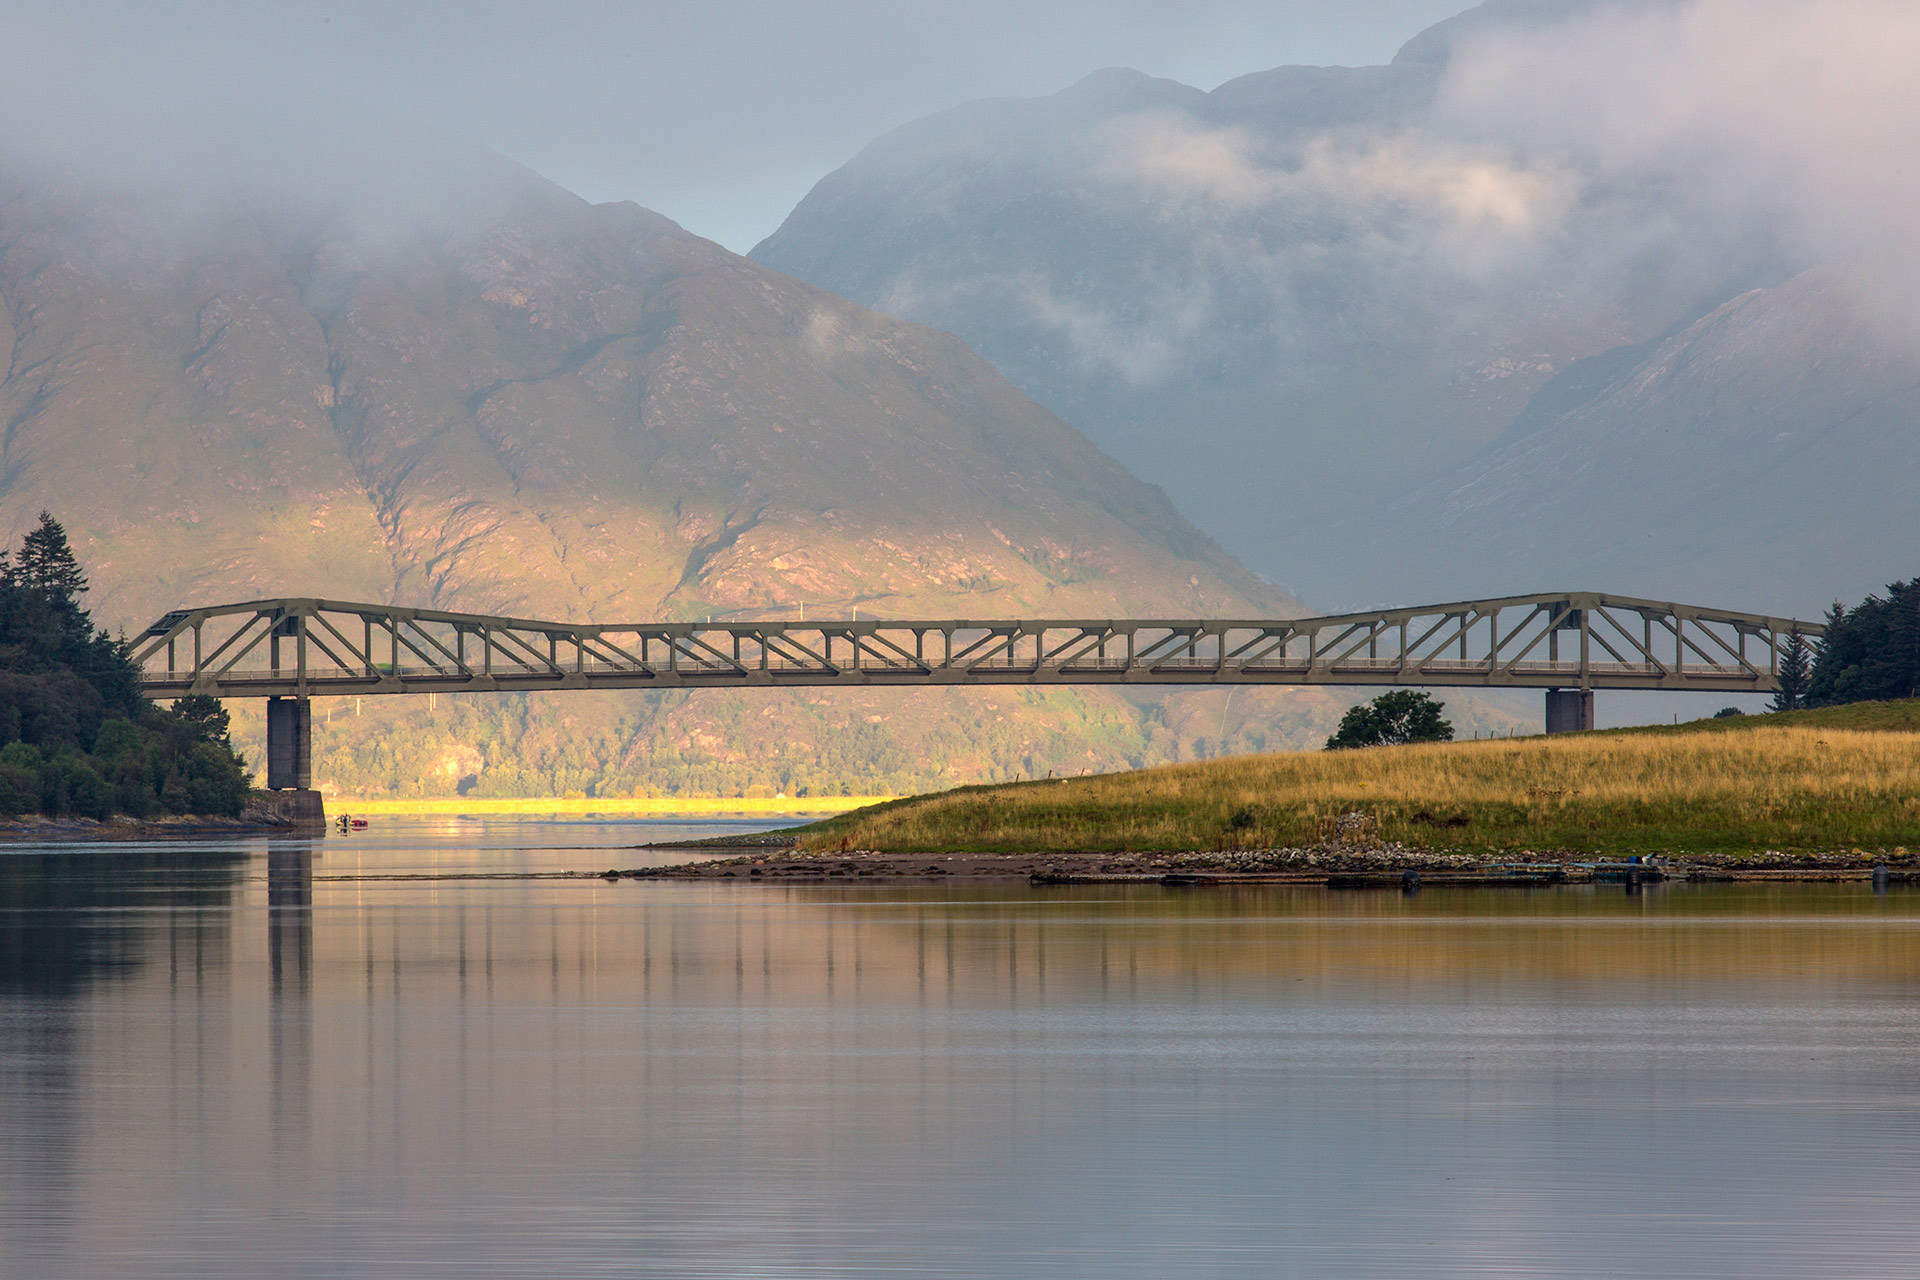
(1872, 717)
(1844, 778)
(663, 807)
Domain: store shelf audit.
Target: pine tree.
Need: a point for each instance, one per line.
(46, 562)
(1903, 637)
(1796, 671)
(204, 717)
(1830, 658)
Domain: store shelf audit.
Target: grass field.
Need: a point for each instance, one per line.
(665, 807)
(1842, 778)
(1873, 717)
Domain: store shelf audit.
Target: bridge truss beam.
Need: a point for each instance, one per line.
(300, 647)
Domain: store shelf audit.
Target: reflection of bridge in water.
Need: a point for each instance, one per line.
(1569, 644)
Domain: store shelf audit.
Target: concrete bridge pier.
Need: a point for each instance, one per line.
(290, 760)
(1569, 710)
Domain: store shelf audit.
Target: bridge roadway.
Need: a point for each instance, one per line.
(1568, 643)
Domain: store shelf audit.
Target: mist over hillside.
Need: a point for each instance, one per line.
(1570, 293)
(1763, 456)
(477, 391)
(534, 405)
(1313, 299)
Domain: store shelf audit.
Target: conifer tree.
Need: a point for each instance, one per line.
(77, 735)
(1796, 670)
(1870, 652)
(46, 562)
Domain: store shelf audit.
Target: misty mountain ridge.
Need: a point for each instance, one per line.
(518, 402)
(385, 415)
(1300, 298)
(1760, 453)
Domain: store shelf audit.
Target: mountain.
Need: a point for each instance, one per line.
(1294, 299)
(1762, 457)
(498, 397)
(542, 407)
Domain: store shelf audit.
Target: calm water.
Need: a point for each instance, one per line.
(247, 1059)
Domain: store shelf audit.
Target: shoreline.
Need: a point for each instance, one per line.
(656, 807)
(1332, 866)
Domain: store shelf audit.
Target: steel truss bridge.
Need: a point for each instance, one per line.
(1569, 644)
(308, 647)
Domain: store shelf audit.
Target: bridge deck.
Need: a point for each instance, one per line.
(303, 647)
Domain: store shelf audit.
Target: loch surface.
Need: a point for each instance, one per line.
(257, 1057)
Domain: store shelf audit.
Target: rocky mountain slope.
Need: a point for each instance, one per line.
(513, 401)
(1293, 299)
(537, 406)
(1763, 457)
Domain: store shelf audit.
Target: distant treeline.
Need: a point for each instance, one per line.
(77, 737)
(1870, 653)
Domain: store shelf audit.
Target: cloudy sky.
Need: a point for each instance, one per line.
(720, 113)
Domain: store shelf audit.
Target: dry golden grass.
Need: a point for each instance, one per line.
(1770, 787)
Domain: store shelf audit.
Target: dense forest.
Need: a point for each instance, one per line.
(77, 737)
(1870, 653)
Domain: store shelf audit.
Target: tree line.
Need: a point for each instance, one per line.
(1870, 653)
(77, 737)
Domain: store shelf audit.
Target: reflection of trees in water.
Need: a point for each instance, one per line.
(290, 985)
(66, 920)
(698, 1030)
(63, 921)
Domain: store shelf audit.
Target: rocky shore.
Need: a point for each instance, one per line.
(1335, 865)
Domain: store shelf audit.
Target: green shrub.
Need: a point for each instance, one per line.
(69, 787)
(19, 790)
(1392, 719)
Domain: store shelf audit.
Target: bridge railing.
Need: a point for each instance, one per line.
(301, 646)
(1357, 667)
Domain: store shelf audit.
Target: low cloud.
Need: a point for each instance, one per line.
(1411, 172)
(1574, 185)
(1258, 237)
(1798, 114)
(1141, 350)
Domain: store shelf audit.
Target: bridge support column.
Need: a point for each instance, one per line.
(1569, 710)
(290, 762)
(289, 744)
